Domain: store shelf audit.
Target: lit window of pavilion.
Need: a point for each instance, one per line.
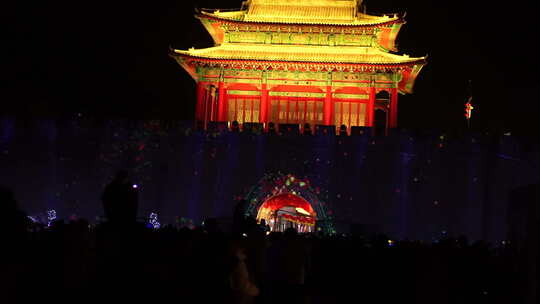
(322, 62)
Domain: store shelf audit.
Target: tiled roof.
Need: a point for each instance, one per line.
(325, 11)
(296, 53)
(331, 12)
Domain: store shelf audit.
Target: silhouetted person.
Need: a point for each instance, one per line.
(343, 130)
(271, 128)
(288, 261)
(307, 129)
(239, 218)
(235, 126)
(15, 221)
(13, 231)
(264, 226)
(241, 283)
(120, 199)
(211, 226)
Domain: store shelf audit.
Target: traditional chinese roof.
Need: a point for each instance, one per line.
(316, 12)
(297, 53)
(301, 11)
(301, 16)
(294, 57)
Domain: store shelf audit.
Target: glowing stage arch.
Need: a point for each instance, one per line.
(286, 197)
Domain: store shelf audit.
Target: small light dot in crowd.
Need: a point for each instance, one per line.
(135, 186)
(415, 179)
(435, 203)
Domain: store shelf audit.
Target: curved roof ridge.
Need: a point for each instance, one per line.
(239, 16)
(297, 53)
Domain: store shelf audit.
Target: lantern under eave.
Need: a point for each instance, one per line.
(319, 62)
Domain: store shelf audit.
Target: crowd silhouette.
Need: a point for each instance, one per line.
(124, 260)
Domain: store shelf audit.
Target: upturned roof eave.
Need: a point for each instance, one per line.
(411, 62)
(208, 15)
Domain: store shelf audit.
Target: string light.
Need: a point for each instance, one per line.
(51, 216)
(153, 220)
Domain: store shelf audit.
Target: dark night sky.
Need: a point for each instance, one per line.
(109, 59)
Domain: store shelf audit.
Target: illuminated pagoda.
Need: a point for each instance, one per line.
(322, 62)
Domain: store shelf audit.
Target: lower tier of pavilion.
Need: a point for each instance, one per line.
(318, 85)
(302, 58)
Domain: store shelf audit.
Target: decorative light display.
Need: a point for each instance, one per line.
(272, 185)
(51, 216)
(153, 221)
(132, 148)
(468, 109)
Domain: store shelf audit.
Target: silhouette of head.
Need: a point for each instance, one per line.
(290, 232)
(271, 128)
(235, 126)
(7, 198)
(122, 176)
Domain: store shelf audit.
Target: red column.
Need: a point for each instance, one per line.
(328, 106)
(371, 107)
(199, 107)
(263, 114)
(393, 108)
(221, 102)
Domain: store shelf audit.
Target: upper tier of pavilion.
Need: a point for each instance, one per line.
(323, 12)
(257, 19)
